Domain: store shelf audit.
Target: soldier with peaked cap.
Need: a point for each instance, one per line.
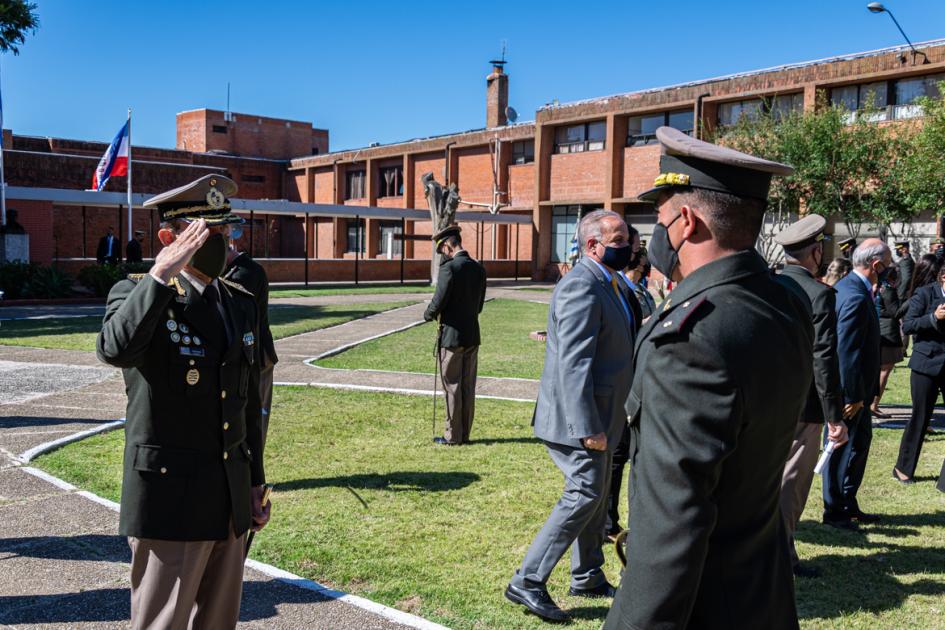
(133, 249)
(847, 246)
(193, 476)
(456, 304)
(804, 262)
(709, 433)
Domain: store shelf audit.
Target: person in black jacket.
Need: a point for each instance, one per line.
(249, 274)
(804, 256)
(109, 250)
(891, 351)
(925, 321)
(456, 304)
(133, 249)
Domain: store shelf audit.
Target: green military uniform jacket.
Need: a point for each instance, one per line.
(825, 399)
(193, 437)
(457, 301)
(722, 370)
(906, 270)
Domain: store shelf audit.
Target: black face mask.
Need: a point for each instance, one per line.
(661, 252)
(616, 257)
(882, 275)
(210, 259)
(821, 266)
(634, 260)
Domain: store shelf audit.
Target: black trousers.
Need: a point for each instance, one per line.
(844, 471)
(621, 456)
(925, 390)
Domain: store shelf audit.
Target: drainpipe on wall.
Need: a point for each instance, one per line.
(698, 120)
(446, 167)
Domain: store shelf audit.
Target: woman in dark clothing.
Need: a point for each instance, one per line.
(890, 351)
(925, 321)
(925, 273)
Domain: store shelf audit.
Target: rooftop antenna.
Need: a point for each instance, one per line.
(227, 116)
(501, 61)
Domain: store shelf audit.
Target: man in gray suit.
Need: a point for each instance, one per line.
(580, 413)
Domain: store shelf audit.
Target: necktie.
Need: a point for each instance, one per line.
(620, 298)
(211, 296)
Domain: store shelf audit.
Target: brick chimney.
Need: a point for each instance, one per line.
(497, 95)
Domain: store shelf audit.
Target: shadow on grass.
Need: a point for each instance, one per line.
(395, 482)
(518, 440)
(878, 585)
(19, 422)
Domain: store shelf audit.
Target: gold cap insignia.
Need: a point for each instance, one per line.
(215, 199)
(672, 179)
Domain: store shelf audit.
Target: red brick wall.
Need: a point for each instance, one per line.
(428, 162)
(522, 185)
(324, 186)
(248, 135)
(293, 270)
(474, 174)
(37, 218)
(577, 176)
(640, 167)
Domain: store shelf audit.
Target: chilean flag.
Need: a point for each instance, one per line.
(114, 162)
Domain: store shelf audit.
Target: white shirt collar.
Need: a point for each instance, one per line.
(866, 281)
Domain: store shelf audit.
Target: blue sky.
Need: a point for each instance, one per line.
(388, 71)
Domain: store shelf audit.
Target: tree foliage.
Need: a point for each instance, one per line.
(17, 18)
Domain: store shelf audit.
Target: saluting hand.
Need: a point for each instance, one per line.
(170, 260)
(260, 512)
(596, 442)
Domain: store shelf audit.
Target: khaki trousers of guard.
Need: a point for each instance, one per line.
(797, 478)
(189, 585)
(458, 368)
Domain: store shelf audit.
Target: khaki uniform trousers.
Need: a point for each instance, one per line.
(458, 368)
(797, 478)
(188, 585)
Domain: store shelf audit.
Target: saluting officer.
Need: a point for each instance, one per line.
(711, 414)
(457, 302)
(804, 257)
(193, 462)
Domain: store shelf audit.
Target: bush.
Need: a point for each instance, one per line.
(15, 277)
(48, 283)
(101, 278)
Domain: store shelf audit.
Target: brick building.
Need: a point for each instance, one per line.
(597, 153)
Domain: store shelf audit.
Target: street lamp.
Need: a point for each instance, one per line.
(877, 7)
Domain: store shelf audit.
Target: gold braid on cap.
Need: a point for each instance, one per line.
(671, 179)
(177, 212)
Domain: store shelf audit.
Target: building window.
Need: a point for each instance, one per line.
(731, 113)
(355, 241)
(314, 150)
(564, 220)
(390, 245)
(641, 130)
(908, 91)
(777, 106)
(392, 181)
(579, 138)
(354, 185)
(783, 105)
(523, 152)
(254, 179)
(854, 98)
(219, 129)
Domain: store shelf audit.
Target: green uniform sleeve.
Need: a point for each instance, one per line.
(692, 416)
(132, 314)
(444, 282)
(826, 363)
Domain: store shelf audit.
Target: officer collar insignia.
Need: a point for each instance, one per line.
(248, 339)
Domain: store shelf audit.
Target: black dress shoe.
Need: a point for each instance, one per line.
(539, 602)
(908, 481)
(862, 517)
(444, 442)
(606, 589)
(806, 571)
(840, 522)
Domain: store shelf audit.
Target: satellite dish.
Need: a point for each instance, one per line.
(511, 114)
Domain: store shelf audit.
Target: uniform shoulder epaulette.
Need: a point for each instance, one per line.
(674, 319)
(237, 286)
(136, 277)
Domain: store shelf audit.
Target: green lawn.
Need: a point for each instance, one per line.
(78, 333)
(343, 289)
(506, 350)
(897, 389)
(365, 503)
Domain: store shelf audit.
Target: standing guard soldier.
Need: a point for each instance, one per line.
(457, 302)
(193, 463)
(133, 249)
(249, 274)
(846, 247)
(906, 266)
(709, 430)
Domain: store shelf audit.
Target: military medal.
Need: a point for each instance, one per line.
(248, 339)
(171, 325)
(175, 337)
(186, 340)
(184, 329)
(192, 377)
(197, 341)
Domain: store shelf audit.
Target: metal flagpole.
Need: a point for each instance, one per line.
(3, 181)
(129, 177)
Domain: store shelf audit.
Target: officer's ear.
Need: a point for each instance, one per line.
(166, 236)
(690, 221)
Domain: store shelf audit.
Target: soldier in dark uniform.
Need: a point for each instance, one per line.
(456, 304)
(249, 274)
(906, 270)
(133, 250)
(711, 414)
(193, 464)
(804, 259)
(846, 246)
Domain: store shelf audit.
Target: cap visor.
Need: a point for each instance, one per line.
(653, 194)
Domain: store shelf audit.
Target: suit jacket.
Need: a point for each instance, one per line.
(133, 251)
(928, 334)
(457, 301)
(588, 366)
(723, 368)
(249, 274)
(857, 340)
(824, 397)
(193, 435)
(891, 310)
(101, 253)
(906, 269)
